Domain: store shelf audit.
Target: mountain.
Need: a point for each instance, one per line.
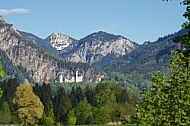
(59, 41)
(139, 65)
(60, 57)
(37, 41)
(28, 60)
(96, 46)
(150, 54)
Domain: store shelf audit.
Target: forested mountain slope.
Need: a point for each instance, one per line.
(139, 65)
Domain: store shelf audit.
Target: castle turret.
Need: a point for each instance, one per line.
(76, 76)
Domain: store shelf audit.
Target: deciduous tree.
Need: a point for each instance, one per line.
(30, 108)
(169, 99)
(2, 74)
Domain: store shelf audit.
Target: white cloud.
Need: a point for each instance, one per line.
(14, 11)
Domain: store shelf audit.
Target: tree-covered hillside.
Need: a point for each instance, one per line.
(136, 68)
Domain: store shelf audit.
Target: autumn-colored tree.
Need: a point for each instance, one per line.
(30, 108)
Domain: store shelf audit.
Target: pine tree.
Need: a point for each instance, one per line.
(83, 112)
(71, 119)
(5, 114)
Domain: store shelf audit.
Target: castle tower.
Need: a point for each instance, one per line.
(76, 76)
(61, 78)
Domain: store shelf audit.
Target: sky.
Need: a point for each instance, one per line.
(137, 20)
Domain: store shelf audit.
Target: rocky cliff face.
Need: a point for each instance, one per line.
(97, 45)
(22, 53)
(41, 65)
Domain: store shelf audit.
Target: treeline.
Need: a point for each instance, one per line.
(100, 105)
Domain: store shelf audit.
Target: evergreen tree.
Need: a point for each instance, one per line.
(62, 105)
(83, 112)
(74, 100)
(5, 114)
(65, 106)
(105, 95)
(71, 119)
(46, 97)
(101, 115)
(90, 95)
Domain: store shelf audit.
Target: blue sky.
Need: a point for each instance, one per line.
(137, 20)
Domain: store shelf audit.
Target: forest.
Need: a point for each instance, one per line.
(102, 104)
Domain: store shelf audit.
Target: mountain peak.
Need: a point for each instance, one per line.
(57, 34)
(97, 45)
(59, 40)
(2, 21)
(1, 18)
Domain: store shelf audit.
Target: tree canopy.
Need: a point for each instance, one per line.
(30, 108)
(2, 74)
(167, 103)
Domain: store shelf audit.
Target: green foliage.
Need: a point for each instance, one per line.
(9, 89)
(150, 109)
(167, 103)
(59, 104)
(48, 116)
(105, 95)
(30, 108)
(71, 119)
(62, 105)
(2, 72)
(49, 112)
(134, 70)
(47, 120)
(101, 115)
(83, 112)
(5, 114)
(1, 92)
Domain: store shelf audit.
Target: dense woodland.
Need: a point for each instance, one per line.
(100, 105)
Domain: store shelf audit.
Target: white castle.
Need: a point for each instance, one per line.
(76, 78)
